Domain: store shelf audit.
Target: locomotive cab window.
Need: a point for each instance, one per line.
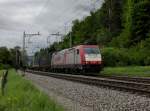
(92, 50)
(77, 51)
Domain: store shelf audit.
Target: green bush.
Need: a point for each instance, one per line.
(135, 56)
(1, 66)
(131, 71)
(147, 61)
(115, 57)
(4, 66)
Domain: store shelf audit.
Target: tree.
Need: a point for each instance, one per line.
(141, 21)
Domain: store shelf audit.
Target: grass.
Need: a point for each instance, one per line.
(1, 72)
(21, 95)
(133, 71)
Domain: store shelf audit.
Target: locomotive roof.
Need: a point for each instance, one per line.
(63, 51)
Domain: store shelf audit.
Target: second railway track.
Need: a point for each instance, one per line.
(132, 79)
(134, 85)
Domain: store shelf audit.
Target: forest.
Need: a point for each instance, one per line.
(121, 28)
(8, 57)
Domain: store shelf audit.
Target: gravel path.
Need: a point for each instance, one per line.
(81, 97)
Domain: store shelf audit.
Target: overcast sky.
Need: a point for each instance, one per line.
(46, 16)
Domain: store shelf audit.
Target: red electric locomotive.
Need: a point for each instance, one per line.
(82, 58)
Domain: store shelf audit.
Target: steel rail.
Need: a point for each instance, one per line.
(126, 78)
(129, 86)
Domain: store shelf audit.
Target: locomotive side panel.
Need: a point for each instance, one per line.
(77, 56)
(70, 58)
(57, 60)
(80, 58)
(73, 58)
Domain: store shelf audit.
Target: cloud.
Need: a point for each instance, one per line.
(46, 16)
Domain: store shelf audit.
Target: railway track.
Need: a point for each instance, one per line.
(132, 79)
(133, 85)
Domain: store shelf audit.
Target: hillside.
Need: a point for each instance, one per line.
(121, 28)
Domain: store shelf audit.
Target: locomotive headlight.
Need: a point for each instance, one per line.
(93, 57)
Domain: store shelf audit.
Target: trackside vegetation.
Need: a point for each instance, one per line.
(120, 27)
(1, 72)
(21, 95)
(132, 71)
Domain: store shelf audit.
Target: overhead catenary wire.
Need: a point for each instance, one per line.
(73, 18)
(45, 6)
(78, 13)
(67, 23)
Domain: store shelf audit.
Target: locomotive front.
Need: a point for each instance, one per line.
(92, 60)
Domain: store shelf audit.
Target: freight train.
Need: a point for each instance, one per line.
(79, 59)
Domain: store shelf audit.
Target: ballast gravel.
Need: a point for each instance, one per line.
(81, 97)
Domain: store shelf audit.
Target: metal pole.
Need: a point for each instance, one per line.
(23, 48)
(48, 41)
(57, 35)
(65, 28)
(70, 40)
(94, 6)
(19, 60)
(16, 58)
(110, 6)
